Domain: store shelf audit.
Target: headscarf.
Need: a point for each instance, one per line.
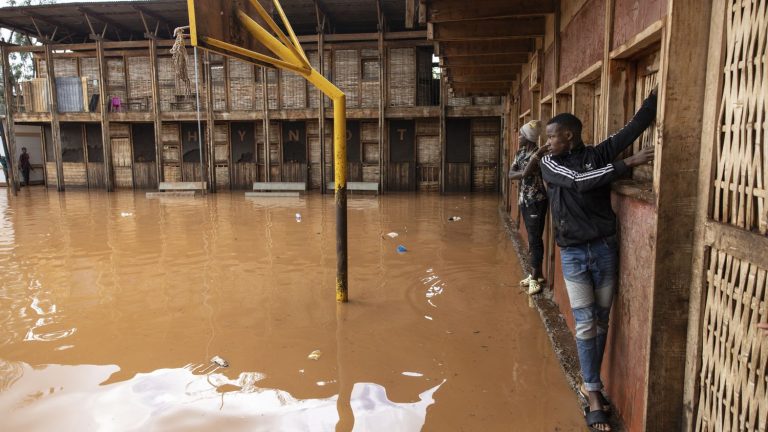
(531, 130)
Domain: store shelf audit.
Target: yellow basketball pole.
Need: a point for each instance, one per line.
(292, 57)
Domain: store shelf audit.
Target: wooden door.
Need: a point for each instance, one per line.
(402, 156)
(293, 137)
(192, 139)
(354, 156)
(144, 164)
(458, 155)
(242, 138)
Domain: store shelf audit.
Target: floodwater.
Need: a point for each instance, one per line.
(113, 305)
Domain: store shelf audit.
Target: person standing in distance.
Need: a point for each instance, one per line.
(532, 199)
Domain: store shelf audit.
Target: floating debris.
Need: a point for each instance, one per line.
(454, 218)
(315, 355)
(220, 362)
(401, 249)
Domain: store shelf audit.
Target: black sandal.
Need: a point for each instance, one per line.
(595, 418)
(603, 401)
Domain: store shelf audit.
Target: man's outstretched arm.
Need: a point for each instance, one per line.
(558, 175)
(609, 149)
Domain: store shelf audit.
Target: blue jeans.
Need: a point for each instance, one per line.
(591, 270)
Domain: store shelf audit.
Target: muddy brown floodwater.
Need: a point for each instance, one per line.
(112, 306)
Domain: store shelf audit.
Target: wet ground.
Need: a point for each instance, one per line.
(112, 306)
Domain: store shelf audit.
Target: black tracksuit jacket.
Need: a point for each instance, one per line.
(579, 182)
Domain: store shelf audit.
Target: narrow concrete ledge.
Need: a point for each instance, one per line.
(563, 342)
(172, 194)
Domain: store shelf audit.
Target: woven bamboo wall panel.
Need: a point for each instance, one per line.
(89, 68)
(741, 169)
(458, 101)
(314, 93)
(486, 126)
(172, 173)
(65, 67)
(428, 177)
(484, 178)
(42, 71)
(371, 173)
(272, 95)
(402, 77)
(734, 364)
(242, 86)
(139, 77)
(218, 85)
(221, 152)
(485, 149)
(222, 176)
(487, 100)
(371, 94)
(369, 131)
(428, 127)
(116, 78)
(371, 152)
(314, 176)
(170, 132)
(294, 88)
(427, 150)
(123, 176)
(121, 152)
(220, 132)
(75, 174)
(50, 169)
(119, 130)
(314, 148)
(346, 74)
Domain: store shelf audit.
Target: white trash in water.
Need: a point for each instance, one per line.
(220, 362)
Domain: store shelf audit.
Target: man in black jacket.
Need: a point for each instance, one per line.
(578, 179)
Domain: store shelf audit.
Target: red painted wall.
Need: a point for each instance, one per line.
(548, 78)
(624, 369)
(582, 40)
(624, 373)
(630, 17)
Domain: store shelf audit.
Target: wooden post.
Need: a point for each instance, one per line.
(103, 105)
(714, 80)
(210, 122)
(9, 140)
(321, 111)
(681, 104)
(54, 109)
(382, 108)
(441, 138)
(606, 72)
(158, 123)
(265, 92)
(582, 106)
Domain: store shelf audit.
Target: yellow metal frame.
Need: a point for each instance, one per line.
(292, 57)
